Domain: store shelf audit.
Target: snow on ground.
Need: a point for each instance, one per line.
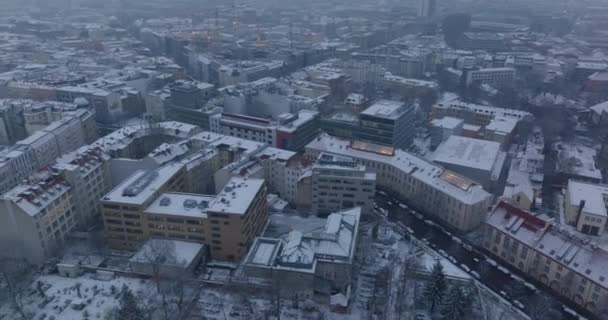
(450, 269)
(61, 296)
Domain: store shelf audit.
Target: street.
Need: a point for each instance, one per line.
(501, 279)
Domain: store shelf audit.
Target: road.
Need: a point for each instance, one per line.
(501, 279)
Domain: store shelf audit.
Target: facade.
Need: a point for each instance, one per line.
(303, 264)
(442, 129)
(339, 182)
(388, 123)
(495, 77)
(295, 131)
(585, 207)
(475, 114)
(482, 40)
(571, 267)
(246, 127)
(478, 160)
(501, 130)
(227, 223)
(290, 131)
(457, 201)
(87, 172)
(125, 225)
(36, 219)
(241, 211)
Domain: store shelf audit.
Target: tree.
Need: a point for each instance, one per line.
(410, 263)
(457, 304)
(129, 309)
(158, 253)
(542, 308)
(435, 289)
(16, 274)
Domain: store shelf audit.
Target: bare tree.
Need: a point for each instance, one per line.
(171, 285)
(276, 295)
(541, 308)
(409, 264)
(16, 275)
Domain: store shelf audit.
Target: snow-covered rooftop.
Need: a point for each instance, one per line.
(429, 173)
(142, 185)
(468, 152)
(594, 196)
(181, 204)
(578, 160)
(170, 252)
(447, 122)
(385, 109)
(504, 125)
(236, 197)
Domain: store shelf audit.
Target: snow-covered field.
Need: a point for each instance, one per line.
(61, 297)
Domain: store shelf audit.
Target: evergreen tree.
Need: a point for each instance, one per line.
(129, 308)
(435, 289)
(457, 304)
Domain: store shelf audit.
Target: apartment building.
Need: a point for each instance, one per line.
(574, 268)
(475, 114)
(36, 218)
(457, 201)
(339, 182)
(87, 172)
(585, 207)
(123, 208)
(15, 164)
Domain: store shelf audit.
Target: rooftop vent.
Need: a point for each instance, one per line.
(165, 202)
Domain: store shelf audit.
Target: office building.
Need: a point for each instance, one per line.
(339, 182)
(123, 208)
(150, 205)
(457, 201)
(495, 77)
(388, 123)
(443, 128)
(478, 160)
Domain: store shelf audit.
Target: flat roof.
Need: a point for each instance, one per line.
(447, 122)
(237, 195)
(468, 152)
(181, 204)
(418, 168)
(386, 109)
(141, 185)
(592, 194)
(172, 252)
(502, 124)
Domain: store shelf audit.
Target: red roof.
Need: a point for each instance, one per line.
(530, 220)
